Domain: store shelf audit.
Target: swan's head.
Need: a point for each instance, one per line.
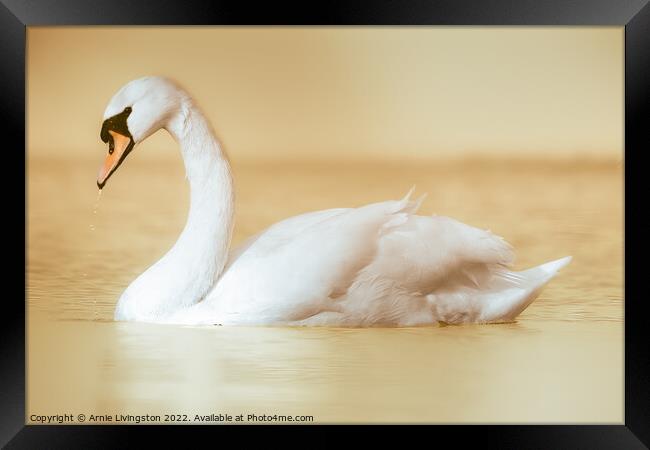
(135, 112)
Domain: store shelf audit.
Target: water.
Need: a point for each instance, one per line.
(89, 255)
(562, 361)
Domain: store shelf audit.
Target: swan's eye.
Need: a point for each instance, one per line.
(127, 109)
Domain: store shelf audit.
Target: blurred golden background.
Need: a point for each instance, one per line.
(343, 93)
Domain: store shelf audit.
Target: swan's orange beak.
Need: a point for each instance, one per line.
(119, 147)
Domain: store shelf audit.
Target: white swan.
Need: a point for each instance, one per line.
(376, 265)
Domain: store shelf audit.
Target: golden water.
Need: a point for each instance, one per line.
(561, 361)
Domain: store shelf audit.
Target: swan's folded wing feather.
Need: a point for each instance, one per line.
(427, 251)
(280, 233)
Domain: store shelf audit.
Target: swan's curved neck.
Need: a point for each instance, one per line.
(205, 240)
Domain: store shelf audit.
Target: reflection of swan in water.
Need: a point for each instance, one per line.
(379, 264)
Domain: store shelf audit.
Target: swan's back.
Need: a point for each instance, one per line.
(377, 265)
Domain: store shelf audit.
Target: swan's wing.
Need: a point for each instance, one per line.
(298, 266)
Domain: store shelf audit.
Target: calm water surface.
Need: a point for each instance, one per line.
(561, 361)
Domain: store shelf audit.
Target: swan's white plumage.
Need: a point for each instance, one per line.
(379, 264)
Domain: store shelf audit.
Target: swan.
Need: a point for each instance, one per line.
(376, 265)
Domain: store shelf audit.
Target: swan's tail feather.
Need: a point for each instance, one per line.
(517, 290)
(554, 266)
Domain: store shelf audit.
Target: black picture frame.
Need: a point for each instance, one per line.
(634, 15)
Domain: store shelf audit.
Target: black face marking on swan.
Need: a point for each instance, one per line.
(116, 123)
